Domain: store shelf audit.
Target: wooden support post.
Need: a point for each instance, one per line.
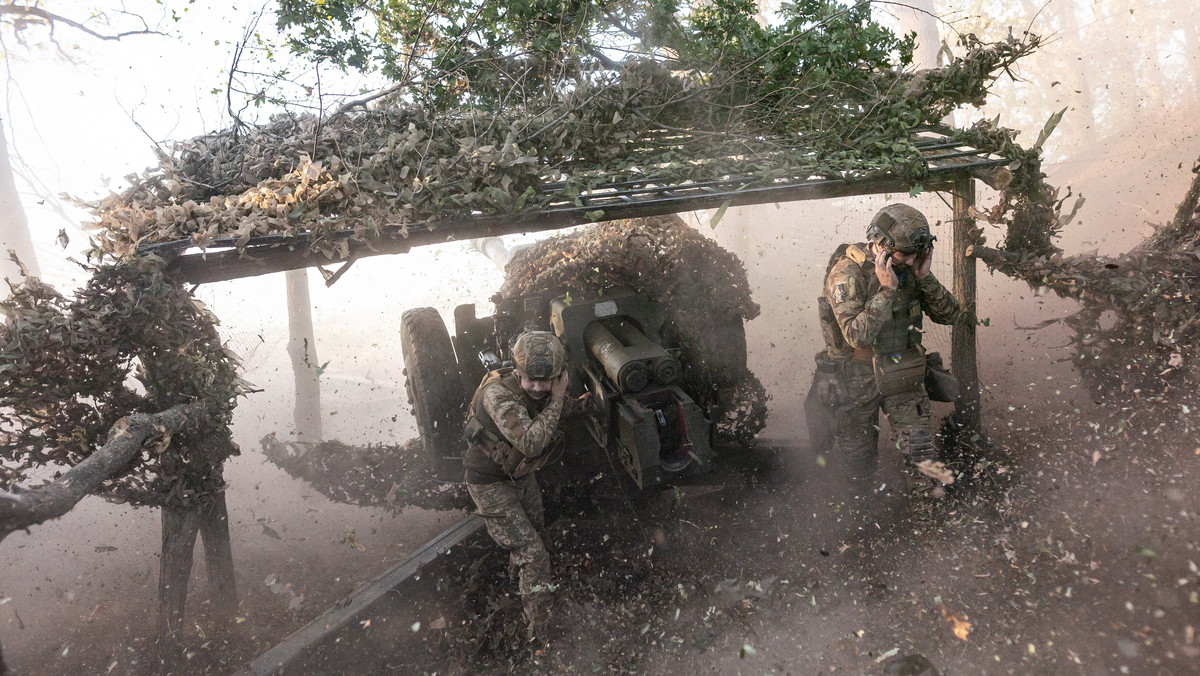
(218, 559)
(963, 349)
(179, 528)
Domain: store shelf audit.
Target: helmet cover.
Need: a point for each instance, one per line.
(899, 227)
(538, 355)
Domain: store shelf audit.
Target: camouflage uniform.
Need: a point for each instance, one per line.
(870, 319)
(512, 436)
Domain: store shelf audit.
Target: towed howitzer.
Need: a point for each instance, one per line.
(618, 348)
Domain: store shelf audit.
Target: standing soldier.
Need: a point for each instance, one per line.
(514, 426)
(871, 311)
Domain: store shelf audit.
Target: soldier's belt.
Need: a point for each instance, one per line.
(900, 371)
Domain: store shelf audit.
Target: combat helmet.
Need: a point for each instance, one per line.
(899, 227)
(538, 355)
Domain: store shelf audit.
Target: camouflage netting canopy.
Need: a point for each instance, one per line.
(702, 286)
(361, 174)
(131, 340)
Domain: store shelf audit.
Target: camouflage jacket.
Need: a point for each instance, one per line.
(516, 434)
(862, 307)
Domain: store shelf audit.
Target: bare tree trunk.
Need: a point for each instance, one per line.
(23, 508)
(14, 227)
(1083, 117)
(917, 16)
(303, 350)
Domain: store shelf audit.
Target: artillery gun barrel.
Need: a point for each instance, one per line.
(495, 249)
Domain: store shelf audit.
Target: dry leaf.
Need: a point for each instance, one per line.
(935, 469)
(351, 539)
(959, 624)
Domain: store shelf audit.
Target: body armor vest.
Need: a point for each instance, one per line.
(903, 330)
(483, 433)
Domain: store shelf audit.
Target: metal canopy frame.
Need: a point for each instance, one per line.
(948, 162)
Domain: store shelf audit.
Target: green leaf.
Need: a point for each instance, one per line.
(1048, 129)
(716, 218)
(916, 190)
(321, 369)
(520, 202)
(1146, 552)
(594, 216)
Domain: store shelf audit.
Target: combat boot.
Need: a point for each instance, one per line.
(539, 608)
(930, 475)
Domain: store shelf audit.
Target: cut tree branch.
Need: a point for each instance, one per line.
(22, 508)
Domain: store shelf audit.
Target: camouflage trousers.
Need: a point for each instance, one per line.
(855, 403)
(514, 516)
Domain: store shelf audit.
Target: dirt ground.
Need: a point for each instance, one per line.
(1071, 554)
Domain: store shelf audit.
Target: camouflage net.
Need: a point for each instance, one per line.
(391, 477)
(703, 287)
(130, 341)
(1138, 328)
(1029, 208)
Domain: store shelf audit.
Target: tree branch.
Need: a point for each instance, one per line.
(22, 508)
(51, 18)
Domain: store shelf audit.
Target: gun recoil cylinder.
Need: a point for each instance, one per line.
(629, 357)
(630, 375)
(666, 369)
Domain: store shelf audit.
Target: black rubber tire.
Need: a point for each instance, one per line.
(434, 390)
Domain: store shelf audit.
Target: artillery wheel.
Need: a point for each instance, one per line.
(434, 389)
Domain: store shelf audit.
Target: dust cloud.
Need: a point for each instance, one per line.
(80, 592)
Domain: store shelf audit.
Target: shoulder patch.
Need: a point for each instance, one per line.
(841, 293)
